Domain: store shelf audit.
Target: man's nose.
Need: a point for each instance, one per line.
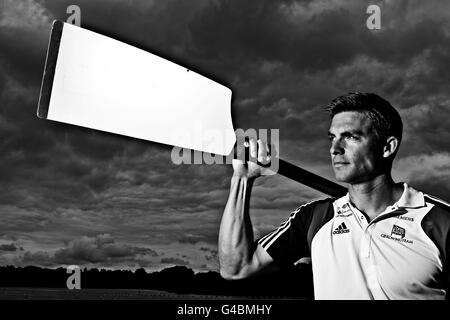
(336, 147)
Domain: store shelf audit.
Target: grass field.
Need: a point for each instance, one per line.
(17, 293)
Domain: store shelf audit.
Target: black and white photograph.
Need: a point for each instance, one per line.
(243, 153)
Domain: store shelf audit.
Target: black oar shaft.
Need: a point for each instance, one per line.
(310, 179)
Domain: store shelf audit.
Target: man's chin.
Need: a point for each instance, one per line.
(342, 177)
(349, 179)
(342, 180)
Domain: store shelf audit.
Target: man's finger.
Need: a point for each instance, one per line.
(263, 155)
(262, 152)
(253, 148)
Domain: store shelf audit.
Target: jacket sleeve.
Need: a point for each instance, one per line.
(288, 243)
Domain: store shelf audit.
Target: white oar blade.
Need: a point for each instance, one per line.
(97, 82)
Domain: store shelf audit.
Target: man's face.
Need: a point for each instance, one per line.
(356, 157)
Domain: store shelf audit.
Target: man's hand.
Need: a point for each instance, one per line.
(258, 152)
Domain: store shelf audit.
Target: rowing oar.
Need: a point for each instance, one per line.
(97, 82)
(310, 179)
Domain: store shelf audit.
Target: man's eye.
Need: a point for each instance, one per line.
(352, 137)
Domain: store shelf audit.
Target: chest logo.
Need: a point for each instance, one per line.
(344, 211)
(398, 234)
(341, 229)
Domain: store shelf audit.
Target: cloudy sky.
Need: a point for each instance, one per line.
(70, 195)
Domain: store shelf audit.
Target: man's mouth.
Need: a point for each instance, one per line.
(338, 164)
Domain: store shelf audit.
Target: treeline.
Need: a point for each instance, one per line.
(290, 283)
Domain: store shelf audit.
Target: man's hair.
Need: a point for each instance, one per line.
(386, 120)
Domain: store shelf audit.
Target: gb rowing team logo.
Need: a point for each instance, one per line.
(398, 234)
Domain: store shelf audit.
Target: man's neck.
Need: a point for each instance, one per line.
(373, 197)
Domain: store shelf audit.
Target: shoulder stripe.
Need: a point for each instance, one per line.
(271, 237)
(434, 199)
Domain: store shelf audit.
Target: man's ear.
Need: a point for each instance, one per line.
(390, 147)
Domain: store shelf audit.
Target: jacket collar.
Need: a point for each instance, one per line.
(410, 198)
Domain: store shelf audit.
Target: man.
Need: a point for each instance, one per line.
(382, 240)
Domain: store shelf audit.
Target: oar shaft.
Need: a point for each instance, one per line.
(310, 179)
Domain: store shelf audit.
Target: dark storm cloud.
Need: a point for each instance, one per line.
(28, 21)
(425, 128)
(96, 250)
(8, 247)
(175, 261)
(99, 250)
(195, 235)
(272, 31)
(157, 26)
(39, 258)
(428, 171)
(315, 35)
(212, 256)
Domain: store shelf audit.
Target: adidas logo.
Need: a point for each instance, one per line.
(341, 229)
